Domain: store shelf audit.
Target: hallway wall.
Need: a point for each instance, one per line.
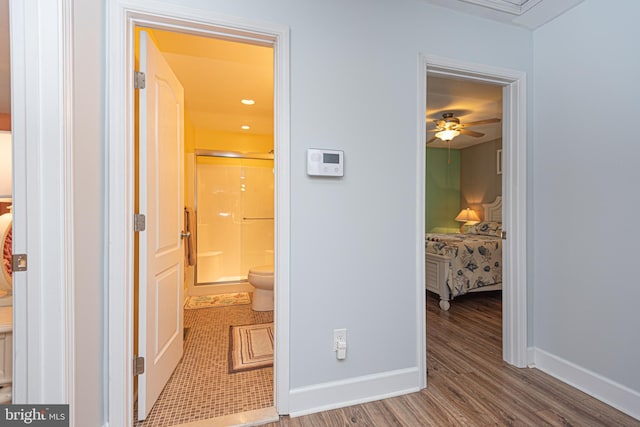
(354, 87)
(585, 262)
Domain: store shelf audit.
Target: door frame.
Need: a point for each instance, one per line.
(514, 189)
(43, 226)
(122, 17)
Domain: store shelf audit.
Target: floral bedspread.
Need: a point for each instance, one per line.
(476, 260)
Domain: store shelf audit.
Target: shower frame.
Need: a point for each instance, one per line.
(223, 154)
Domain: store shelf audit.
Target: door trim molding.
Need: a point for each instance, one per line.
(514, 291)
(122, 17)
(42, 134)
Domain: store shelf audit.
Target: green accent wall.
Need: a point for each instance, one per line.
(443, 190)
(479, 179)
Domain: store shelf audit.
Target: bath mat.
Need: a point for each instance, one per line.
(250, 347)
(219, 300)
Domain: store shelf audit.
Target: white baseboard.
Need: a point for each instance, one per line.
(338, 394)
(531, 357)
(617, 395)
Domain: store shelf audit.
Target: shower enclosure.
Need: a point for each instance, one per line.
(234, 211)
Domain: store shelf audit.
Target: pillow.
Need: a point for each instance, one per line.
(487, 228)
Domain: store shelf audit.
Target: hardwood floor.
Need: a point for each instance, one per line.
(470, 385)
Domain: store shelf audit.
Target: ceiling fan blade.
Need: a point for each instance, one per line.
(482, 122)
(471, 133)
(431, 140)
(434, 130)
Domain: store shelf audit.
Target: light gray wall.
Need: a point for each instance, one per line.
(479, 179)
(354, 87)
(585, 173)
(89, 215)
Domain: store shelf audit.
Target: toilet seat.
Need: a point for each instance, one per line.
(262, 270)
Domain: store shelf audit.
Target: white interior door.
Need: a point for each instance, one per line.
(161, 255)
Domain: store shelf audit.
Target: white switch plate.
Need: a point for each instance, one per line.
(340, 343)
(339, 335)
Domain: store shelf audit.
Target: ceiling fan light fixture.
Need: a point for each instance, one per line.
(447, 134)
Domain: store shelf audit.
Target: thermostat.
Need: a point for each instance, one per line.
(325, 162)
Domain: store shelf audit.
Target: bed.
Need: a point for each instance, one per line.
(457, 264)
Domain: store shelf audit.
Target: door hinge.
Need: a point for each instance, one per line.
(139, 222)
(139, 80)
(503, 235)
(19, 262)
(138, 365)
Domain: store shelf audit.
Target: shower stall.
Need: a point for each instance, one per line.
(234, 212)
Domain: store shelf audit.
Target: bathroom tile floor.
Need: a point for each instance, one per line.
(200, 387)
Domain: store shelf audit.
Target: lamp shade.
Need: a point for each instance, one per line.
(5, 164)
(468, 216)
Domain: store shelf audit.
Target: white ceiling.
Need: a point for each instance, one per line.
(470, 102)
(524, 13)
(216, 74)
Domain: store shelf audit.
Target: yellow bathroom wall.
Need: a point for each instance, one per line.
(189, 133)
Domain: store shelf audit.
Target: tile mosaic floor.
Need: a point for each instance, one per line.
(200, 388)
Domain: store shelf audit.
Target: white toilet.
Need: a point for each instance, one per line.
(261, 278)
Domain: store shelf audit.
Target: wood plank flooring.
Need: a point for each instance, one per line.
(470, 385)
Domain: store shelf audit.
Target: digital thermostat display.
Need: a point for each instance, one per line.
(322, 162)
(331, 158)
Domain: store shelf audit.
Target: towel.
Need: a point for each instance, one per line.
(189, 225)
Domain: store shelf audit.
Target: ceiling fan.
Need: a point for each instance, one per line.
(449, 127)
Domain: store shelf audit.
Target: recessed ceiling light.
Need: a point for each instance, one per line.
(245, 127)
(248, 101)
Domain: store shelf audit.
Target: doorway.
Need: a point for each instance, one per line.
(514, 291)
(123, 20)
(228, 105)
(463, 194)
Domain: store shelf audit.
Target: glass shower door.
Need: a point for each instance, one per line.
(257, 218)
(234, 209)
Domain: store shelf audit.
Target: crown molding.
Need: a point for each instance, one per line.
(529, 14)
(518, 8)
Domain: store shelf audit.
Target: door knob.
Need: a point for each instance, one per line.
(185, 234)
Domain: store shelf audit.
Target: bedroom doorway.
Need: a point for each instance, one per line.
(463, 188)
(512, 179)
